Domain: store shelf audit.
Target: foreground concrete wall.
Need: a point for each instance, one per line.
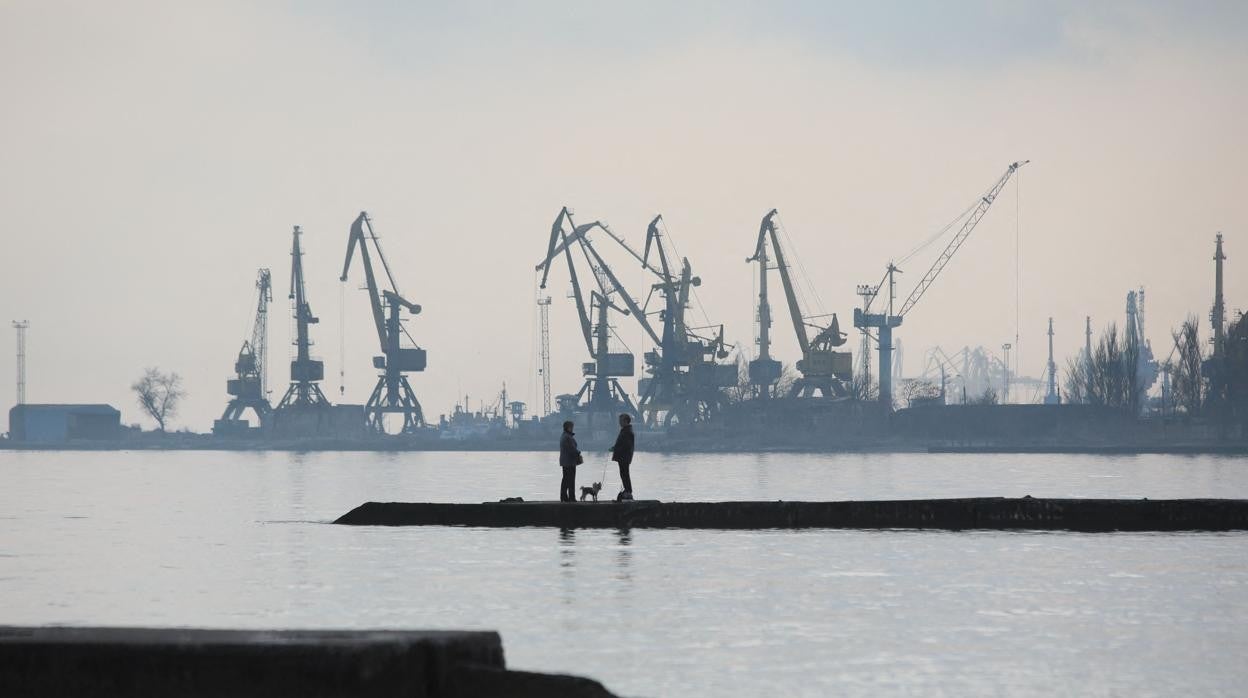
(136, 662)
(955, 514)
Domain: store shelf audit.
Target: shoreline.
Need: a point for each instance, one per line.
(1228, 448)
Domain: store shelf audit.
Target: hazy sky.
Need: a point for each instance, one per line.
(154, 155)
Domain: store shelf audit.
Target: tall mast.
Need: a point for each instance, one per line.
(1052, 398)
(21, 326)
(1218, 315)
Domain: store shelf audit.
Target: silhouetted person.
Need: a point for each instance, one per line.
(569, 458)
(622, 453)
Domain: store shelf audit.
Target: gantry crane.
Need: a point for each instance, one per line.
(601, 390)
(249, 386)
(393, 394)
(885, 322)
(305, 372)
(822, 370)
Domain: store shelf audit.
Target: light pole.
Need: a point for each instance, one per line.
(1005, 399)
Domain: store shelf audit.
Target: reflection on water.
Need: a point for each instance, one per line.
(623, 555)
(240, 540)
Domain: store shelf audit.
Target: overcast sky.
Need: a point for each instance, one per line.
(154, 155)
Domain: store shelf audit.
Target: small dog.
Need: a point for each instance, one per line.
(591, 491)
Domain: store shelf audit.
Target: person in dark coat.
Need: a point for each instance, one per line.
(569, 458)
(622, 452)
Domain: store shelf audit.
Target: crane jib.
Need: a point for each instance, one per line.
(947, 254)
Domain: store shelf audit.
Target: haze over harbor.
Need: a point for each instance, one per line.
(158, 155)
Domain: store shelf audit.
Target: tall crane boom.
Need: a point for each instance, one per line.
(951, 249)
(822, 369)
(685, 382)
(393, 394)
(885, 322)
(249, 389)
(260, 328)
(767, 229)
(602, 389)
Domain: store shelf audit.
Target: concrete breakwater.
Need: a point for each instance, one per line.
(59, 661)
(1024, 513)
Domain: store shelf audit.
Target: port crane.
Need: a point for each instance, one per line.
(601, 390)
(686, 381)
(305, 372)
(683, 382)
(249, 387)
(885, 322)
(393, 393)
(822, 369)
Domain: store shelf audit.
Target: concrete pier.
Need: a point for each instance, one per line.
(190, 663)
(950, 514)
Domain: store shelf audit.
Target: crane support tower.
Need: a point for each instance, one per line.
(305, 371)
(249, 386)
(393, 394)
(822, 370)
(885, 323)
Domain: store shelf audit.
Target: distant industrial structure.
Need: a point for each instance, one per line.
(61, 424)
(691, 386)
(884, 323)
(1215, 366)
(1051, 395)
(21, 326)
(306, 372)
(821, 369)
(393, 393)
(684, 377)
(249, 386)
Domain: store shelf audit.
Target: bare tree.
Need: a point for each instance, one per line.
(865, 390)
(158, 394)
(918, 390)
(1077, 380)
(1187, 382)
(1105, 386)
(788, 377)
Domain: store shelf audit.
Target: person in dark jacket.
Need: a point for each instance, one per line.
(622, 452)
(569, 458)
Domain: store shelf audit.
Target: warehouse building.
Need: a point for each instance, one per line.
(61, 423)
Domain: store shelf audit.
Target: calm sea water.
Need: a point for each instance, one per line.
(242, 540)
